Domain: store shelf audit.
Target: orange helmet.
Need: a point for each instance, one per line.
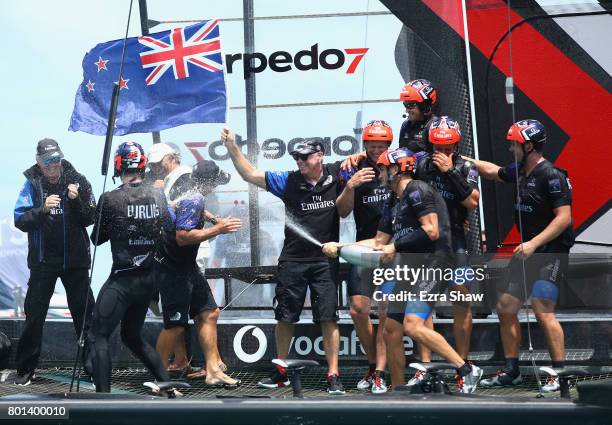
(419, 91)
(377, 131)
(527, 131)
(405, 159)
(444, 131)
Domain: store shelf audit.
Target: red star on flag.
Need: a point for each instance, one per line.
(122, 83)
(101, 64)
(90, 86)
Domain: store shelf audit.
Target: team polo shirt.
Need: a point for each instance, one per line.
(309, 210)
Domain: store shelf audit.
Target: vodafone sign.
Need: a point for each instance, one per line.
(304, 60)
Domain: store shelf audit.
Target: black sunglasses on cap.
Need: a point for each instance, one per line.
(302, 156)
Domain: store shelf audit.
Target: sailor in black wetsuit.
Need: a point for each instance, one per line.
(419, 98)
(415, 221)
(544, 211)
(364, 195)
(309, 195)
(456, 180)
(132, 219)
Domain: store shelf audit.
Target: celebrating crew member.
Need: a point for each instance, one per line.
(132, 217)
(419, 98)
(55, 206)
(544, 218)
(456, 180)
(309, 195)
(164, 163)
(364, 195)
(184, 289)
(416, 218)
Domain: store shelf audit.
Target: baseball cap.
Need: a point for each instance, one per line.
(308, 147)
(206, 171)
(158, 151)
(48, 149)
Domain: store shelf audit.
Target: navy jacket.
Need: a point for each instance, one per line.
(78, 214)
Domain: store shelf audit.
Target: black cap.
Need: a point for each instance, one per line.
(48, 149)
(308, 147)
(208, 172)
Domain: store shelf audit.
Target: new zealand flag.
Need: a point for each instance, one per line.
(169, 79)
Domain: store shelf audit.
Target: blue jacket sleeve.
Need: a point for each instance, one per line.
(27, 217)
(276, 182)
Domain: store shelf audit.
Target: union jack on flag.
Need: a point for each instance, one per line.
(200, 49)
(152, 98)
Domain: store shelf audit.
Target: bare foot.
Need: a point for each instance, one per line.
(201, 373)
(221, 379)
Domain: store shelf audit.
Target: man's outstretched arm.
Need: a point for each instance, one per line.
(246, 170)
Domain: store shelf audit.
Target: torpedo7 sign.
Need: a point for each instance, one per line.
(304, 60)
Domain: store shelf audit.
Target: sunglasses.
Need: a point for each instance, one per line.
(51, 161)
(302, 156)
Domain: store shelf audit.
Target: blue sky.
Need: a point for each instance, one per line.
(47, 41)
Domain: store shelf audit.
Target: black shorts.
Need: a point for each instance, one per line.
(294, 278)
(544, 274)
(360, 282)
(185, 293)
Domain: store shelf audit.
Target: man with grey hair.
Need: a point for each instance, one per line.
(54, 207)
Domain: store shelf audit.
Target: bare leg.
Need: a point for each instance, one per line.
(207, 335)
(414, 327)
(360, 312)
(181, 359)
(166, 341)
(462, 323)
(553, 332)
(331, 344)
(284, 332)
(509, 326)
(424, 351)
(394, 340)
(381, 347)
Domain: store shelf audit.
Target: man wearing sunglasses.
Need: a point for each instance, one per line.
(419, 97)
(54, 207)
(309, 195)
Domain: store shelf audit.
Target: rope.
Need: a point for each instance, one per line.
(81, 342)
(520, 221)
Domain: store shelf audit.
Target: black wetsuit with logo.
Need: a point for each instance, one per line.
(132, 219)
(428, 172)
(415, 135)
(399, 219)
(545, 189)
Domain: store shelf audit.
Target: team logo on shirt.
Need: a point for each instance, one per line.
(415, 198)
(472, 176)
(317, 204)
(554, 185)
(379, 195)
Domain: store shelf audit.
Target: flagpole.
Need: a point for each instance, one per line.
(144, 28)
(251, 120)
(110, 129)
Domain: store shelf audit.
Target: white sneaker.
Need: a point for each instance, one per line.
(418, 377)
(379, 386)
(467, 384)
(501, 379)
(366, 381)
(552, 384)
